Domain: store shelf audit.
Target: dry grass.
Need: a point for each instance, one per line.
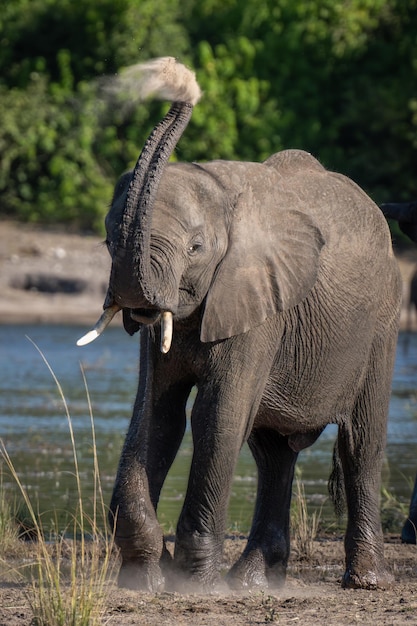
(9, 534)
(67, 578)
(304, 526)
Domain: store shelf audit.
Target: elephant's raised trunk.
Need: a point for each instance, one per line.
(137, 212)
(131, 268)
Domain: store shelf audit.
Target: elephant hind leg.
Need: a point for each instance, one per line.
(264, 560)
(361, 446)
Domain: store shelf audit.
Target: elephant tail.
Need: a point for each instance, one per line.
(336, 483)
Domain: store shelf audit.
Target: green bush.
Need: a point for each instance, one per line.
(49, 171)
(334, 78)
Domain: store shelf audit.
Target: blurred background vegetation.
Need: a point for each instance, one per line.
(335, 77)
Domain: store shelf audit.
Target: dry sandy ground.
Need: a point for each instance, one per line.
(311, 596)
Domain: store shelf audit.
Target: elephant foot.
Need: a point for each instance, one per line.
(250, 572)
(367, 580)
(365, 564)
(409, 532)
(141, 577)
(180, 583)
(181, 580)
(196, 563)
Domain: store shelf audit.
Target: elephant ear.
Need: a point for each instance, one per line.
(271, 265)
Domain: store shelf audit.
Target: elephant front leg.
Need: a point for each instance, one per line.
(154, 436)
(223, 413)
(202, 523)
(218, 433)
(137, 531)
(150, 448)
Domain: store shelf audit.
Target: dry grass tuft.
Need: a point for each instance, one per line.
(304, 527)
(68, 578)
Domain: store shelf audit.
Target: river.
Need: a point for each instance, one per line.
(34, 425)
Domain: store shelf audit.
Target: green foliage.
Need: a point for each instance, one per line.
(71, 41)
(236, 119)
(49, 171)
(61, 142)
(335, 78)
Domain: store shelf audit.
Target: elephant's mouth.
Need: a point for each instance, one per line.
(149, 317)
(142, 316)
(145, 316)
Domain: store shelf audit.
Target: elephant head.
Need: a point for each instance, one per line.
(185, 235)
(129, 236)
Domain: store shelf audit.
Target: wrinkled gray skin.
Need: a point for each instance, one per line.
(406, 215)
(286, 299)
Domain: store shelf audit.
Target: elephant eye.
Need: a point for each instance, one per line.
(194, 247)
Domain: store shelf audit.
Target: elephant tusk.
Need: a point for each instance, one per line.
(102, 323)
(166, 331)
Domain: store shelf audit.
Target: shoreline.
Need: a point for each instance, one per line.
(78, 265)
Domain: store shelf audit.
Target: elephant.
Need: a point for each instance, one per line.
(409, 529)
(412, 298)
(405, 213)
(411, 306)
(273, 290)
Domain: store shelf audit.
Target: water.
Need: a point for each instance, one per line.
(34, 425)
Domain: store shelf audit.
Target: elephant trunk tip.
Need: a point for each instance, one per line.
(164, 78)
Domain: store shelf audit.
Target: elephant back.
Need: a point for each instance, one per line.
(288, 160)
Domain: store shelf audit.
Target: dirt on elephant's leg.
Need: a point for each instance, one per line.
(141, 545)
(361, 444)
(364, 542)
(250, 572)
(140, 576)
(365, 571)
